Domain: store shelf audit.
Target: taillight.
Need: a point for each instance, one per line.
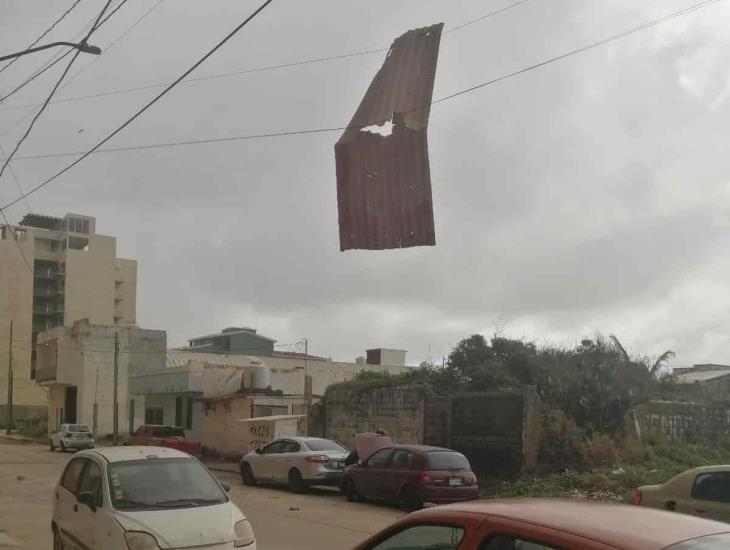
(470, 479)
(318, 459)
(637, 497)
(425, 479)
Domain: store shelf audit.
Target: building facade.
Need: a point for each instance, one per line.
(76, 367)
(234, 341)
(53, 272)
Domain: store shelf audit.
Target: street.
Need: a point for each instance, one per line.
(281, 520)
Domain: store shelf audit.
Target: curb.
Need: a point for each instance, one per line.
(22, 439)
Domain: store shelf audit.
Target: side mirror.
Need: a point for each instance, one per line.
(258, 451)
(87, 498)
(226, 487)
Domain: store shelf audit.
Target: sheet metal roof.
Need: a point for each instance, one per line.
(700, 376)
(383, 181)
(181, 359)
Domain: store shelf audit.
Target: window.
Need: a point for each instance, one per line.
(447, 460)
(274, 447)
(131, 415)
(153, 416)
(380, 459)
(269, 410)
(431, 537)
(189, 413)
(713, 542)
(324, 445)
(291, 447)
(508, 542)
(179, 411)
(402, 460)
(713, 486)
(70, 479)
(91, 481)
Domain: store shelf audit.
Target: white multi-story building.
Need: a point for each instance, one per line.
(54, 272)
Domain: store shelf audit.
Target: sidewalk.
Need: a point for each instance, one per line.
(18, 438)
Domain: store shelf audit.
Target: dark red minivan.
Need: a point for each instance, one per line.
(412, 475)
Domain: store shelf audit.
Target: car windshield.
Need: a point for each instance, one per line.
(324, 445)
(447, 460)
(78, 428)
(161, 483)
(712, 542)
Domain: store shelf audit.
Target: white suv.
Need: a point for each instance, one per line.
(144, 498)
(71, 436)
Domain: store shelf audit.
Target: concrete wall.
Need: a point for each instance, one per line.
(679, 421)
(90, 274)
(222, 432)
(125, 292)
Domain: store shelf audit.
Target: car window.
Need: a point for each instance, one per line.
(274, 448)
(713, 486)
(71, 475)
(91, 481)
(402, 460)
(78, 428)
(324, 445)
(166, 431)
(509, 542)
(711, 542)
(380, 459)
(291, 447)
(447, 460)
(423, 537)
(162, 484)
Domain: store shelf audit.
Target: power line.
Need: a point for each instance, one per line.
(50, 96)
(257, 69)
(14, 234)
(49, 29)
(146, 106)
(284, 133)
(15, 177)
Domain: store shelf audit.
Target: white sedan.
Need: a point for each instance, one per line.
(298, 461)
(144, 498)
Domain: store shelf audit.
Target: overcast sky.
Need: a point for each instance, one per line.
(591, 194)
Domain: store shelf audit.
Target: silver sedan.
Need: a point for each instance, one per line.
(298, 461)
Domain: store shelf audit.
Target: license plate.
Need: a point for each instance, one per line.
(455, 481)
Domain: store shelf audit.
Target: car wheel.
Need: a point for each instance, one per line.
(247, 475)
(63, 447)
(51, 447)
(57, 542)
(296, 483)
(351, 492)
(410, 501)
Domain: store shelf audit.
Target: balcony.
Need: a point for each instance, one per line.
(44, 273)
(46, 374)
(45, 309)
(44, 292)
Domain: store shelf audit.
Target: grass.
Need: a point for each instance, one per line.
(653, 462)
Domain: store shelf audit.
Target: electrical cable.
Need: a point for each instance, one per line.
(49, 29)
(145, 107)
(15, 177)
(256, 69)
(340, 128)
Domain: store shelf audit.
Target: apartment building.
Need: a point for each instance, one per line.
(66, 272)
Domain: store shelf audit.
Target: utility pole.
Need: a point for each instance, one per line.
(9, 412)
(96, 404)
(307, 386)
(116, 384)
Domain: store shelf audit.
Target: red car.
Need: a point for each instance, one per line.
(549, 524)
(412, 475)
(164, 436)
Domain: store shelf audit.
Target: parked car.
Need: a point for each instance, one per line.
(144, 498)
(548, 524)
(701, 492)
(412, 475)
(71, 436)
(164, 436)
(298, 461)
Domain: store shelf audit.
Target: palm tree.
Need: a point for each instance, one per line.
(653, 368)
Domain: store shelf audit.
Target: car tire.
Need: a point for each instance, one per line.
(57, 542)
(351, 492)
(247, 475)
(296, 483)
(409, 500)
(63, 447)
(51, 447)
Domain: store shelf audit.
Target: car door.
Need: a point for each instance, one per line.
(91, 519)
(65, 502)
(710, 497)
(371, 479)
(285, 460)
(398, 474)
(262, 466)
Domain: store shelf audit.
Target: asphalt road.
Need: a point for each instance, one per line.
(281, 520)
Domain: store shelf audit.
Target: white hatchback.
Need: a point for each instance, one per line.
(144, 498)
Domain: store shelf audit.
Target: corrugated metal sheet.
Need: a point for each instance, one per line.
(384, 182)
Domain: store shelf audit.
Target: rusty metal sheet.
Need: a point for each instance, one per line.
(383, 174)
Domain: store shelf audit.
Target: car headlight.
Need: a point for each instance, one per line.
(244, 534)
(139, 540)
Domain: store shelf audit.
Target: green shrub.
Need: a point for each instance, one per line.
(600, 450)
